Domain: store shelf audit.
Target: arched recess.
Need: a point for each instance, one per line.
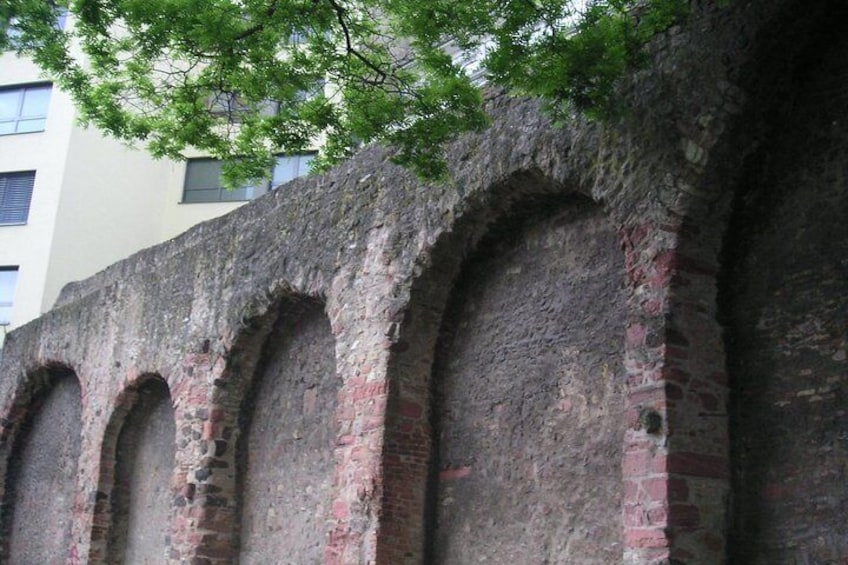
(132, 521)
(41, 472)
(287, 437)
(784, 300)
(527, 394)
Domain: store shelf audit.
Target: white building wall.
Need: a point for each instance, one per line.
(110, 207)
(94, 201)
(28, 246)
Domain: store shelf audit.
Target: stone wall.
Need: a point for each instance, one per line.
(786, 292)
(143, 464)
(40, 481)
(528, 395)
(286, 457)
(581, 314)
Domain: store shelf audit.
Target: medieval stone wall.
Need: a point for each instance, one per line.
(618, 343)
(143, 462)
(786, 292)
(40, 480)
(528, 395)
(286, 460)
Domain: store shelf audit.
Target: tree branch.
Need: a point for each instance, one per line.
(258, 27)
(351, 50)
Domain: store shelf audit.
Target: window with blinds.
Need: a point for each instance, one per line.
(15, 196)
(203, 179)
(203, 184)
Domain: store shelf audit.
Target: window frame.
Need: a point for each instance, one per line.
(13, 33)
(219, 190)
(251, 192)
(273, 180)
(8, 304)
(18, 117)
(6, 207)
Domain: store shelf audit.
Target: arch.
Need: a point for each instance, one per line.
(43, 446)
(285, 453)
(512, 215)
(132, 510)
(268, 466)
(784, 306)
(686, 264)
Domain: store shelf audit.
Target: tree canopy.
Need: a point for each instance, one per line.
(246, 79)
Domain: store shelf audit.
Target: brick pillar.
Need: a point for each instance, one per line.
(203, 483)
(357, 482)
(361, 322)
(675, 466)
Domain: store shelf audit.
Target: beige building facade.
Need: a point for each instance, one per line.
(73, 201)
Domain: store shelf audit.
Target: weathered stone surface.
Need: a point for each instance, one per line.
(529, 400)
(141, 496)
(722, 106)
(41, 481)
(787, 315)
(287, 457)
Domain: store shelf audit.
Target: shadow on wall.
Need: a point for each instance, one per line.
(784, 298)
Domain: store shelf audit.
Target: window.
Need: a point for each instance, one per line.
(24, 109)
(13, 32)
(8, 279)
(15, 195)
(203, 184)
(230, 105)
(290, 167)
(203, 179)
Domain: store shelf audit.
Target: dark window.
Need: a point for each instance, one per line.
(15, 195)
(23, 109)
(203, 184)
(8, 280)
(203, 179)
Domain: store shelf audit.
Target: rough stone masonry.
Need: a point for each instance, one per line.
(594, 344)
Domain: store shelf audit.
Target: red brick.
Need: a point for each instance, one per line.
(340, 510)
(635, 335)
(658, 516)
(634, 516)
(637, 464)
(410, 409)
(645, 538)
(655, 489)
(678, 489)
(713, 542)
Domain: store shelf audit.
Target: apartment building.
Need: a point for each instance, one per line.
(73, 201)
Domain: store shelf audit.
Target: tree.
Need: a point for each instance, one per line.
(244, 79)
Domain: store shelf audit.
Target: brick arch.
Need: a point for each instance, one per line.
(408, 472)
(682, 486)
(40, 450)
(137, 452)
(286, 344)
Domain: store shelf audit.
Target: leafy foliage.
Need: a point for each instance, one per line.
(237, 78)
